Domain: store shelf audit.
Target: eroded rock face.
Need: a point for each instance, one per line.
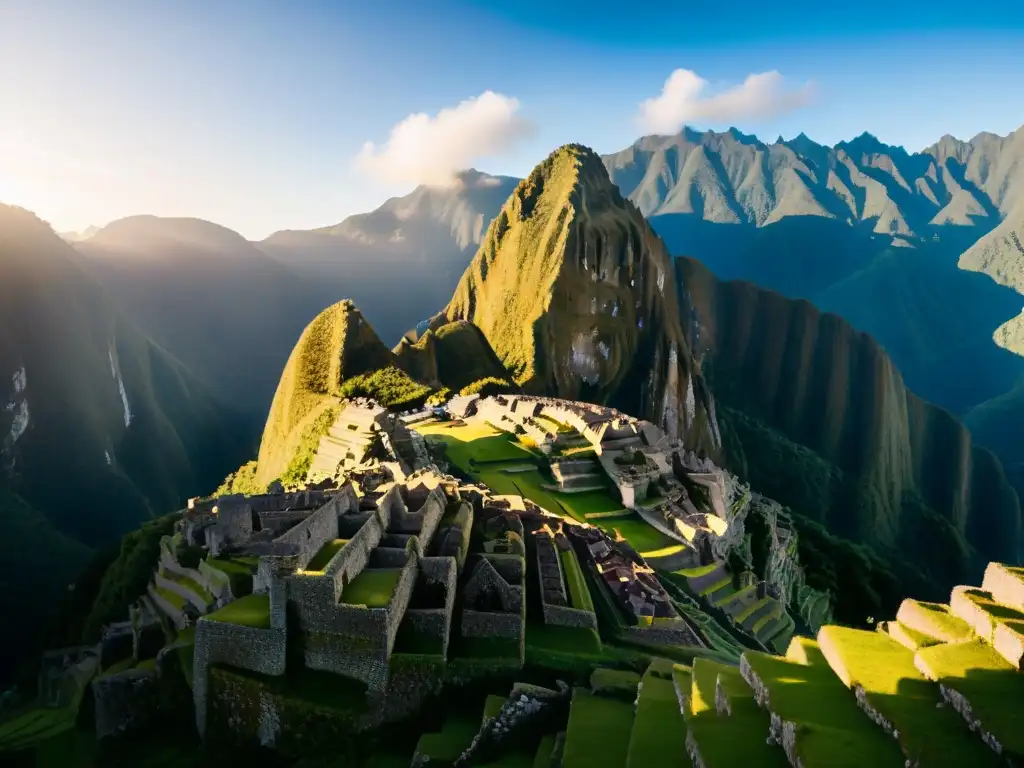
(576, 295)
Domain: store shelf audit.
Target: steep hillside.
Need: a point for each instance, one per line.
(99, 427)
(453, 356)
(338, 345)
(413, 247)
(895, 472)
(573, 291)
(207, 295)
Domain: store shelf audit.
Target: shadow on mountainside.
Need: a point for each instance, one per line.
(935, 320)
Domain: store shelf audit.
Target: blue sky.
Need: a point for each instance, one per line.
(252, 114)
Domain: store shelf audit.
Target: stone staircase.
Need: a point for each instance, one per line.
(341, 445)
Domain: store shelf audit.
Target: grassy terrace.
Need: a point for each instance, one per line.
(173, 598)
(928, 735)
(641, 536)
(737, 738)
(249, 611)
(373, 587)
(190, 584)
(493, 705)
(34, 726)
(474, 442)
(933, 620)
(994, 689)
(659, 735)
(578, 592)
(598, 732)
(324, 556)
(448, 743)
(832, 730)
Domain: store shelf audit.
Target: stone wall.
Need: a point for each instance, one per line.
(484, 624)
(311, 534)
(124, 702)
(563, 616)
(217, 642)
(218, 582)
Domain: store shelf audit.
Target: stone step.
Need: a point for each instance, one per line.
(978, 608)
(813, 716)
(1006, 584)
(902, 701)
(703, 684)
(983, 688)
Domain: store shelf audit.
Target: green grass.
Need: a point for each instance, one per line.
(373, 587)
(832, 729)
(249, 611)
(614, 681)
(488, 648)
(323, 557)
(229, 566)
(474, 441)
(641, 536)
(190, 584)
(659, 733)
(448, 743)
(994, 689)
(578, 592)
(544, 750)
(173, 598)
(493, 705)
(598, 732)
(552, 637)
(34, 726)
(737, 738)
(928, 735)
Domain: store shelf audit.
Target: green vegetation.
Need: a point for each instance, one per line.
(242, 480)
(474, 442)
(448, 743)
(598, 732)
(487, 387)
(34, 726)
(440, 397)
(126, 578)
(833, 730)
(190, 584)
(641, 536)
(298, 467)
(934, 621)
(992, 687)
(493, 705)
(325, 555)
(621, 683)
(659, 734)
(884, 669)
(336, 346)
(579, 595)
(373, 587)
(390, 386)
(249, 611)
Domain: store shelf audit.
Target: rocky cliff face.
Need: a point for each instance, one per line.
(816, 415)
(574, 292)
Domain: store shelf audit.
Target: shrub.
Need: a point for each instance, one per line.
(440, 397)
(299, 466)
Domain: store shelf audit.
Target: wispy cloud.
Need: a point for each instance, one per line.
(431, 149)
(684, 99)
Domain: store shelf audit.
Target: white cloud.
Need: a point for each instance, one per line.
(684, 100)
(429, 150)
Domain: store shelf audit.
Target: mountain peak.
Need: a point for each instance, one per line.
(576, 295)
